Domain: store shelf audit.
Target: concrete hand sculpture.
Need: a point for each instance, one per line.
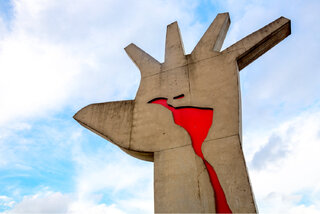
(186, 118)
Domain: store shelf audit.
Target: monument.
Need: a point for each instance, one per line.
(186, 118)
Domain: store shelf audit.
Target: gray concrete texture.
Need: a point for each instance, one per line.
(207, 77)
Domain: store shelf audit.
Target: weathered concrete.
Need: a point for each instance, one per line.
(180, 169)
(207, 78)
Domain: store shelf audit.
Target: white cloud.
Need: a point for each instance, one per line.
(105, 179)
(280, 203)
(47, 202)
(283, 81)
(105, 183)
(284, 172)
(56, 202)
(59, 53)
(6, 201)
(124, 180)
(33, 78)
(87, 207)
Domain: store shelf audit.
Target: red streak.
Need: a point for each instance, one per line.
(197, 122)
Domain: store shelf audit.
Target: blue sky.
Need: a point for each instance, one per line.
(58, 56)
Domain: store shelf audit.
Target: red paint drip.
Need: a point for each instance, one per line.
(197, 122)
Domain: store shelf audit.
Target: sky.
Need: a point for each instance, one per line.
(58, 56)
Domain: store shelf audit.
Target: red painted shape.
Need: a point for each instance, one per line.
(197, 122)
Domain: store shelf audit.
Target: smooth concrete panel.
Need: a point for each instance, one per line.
(214, 83)
(212, 40)
(153, 127)
(181, 182)
(226, 157)
(112, 120)
(174, 51)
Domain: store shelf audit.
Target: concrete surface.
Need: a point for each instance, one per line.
(207, 77)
